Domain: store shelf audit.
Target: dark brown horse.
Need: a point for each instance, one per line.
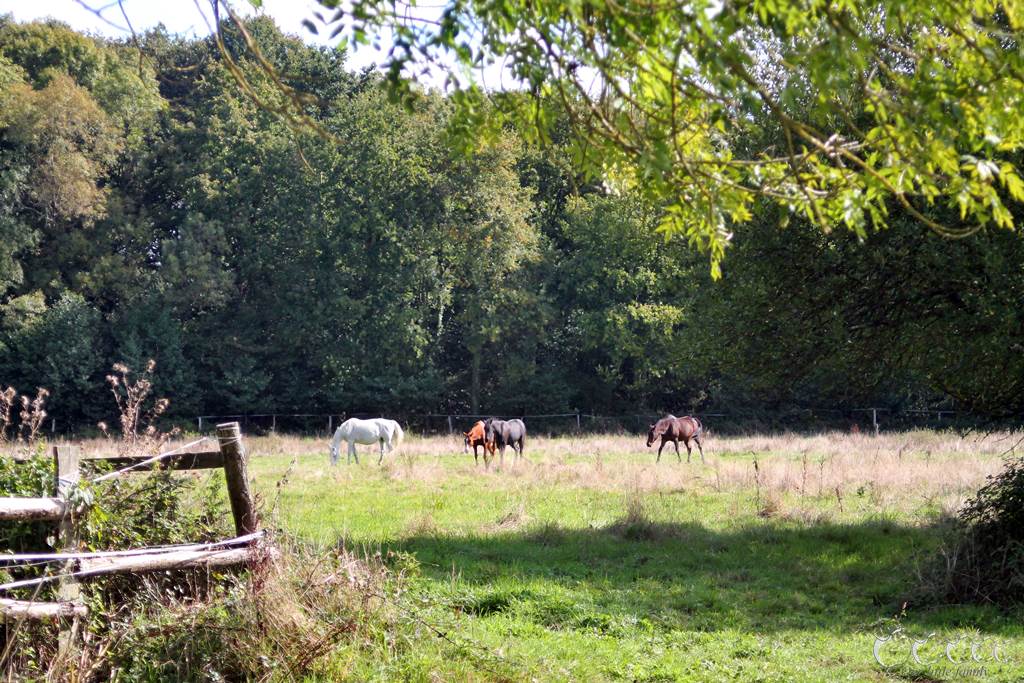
(503, 433)
(675, 429)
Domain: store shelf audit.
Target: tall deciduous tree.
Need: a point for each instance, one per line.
(907, 103)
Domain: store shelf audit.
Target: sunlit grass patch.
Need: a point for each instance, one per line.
(591, 562)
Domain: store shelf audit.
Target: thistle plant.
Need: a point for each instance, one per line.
(138, 415)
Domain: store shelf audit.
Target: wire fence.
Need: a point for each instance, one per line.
(864, 420)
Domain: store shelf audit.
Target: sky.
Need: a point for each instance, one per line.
(193, 18)
(179, 16)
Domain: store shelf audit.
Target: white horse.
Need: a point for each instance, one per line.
(377, 430)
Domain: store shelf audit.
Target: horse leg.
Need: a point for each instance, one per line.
(352, 453)
(676, 444)
(476, 456)
(689, 451)
(381, 458)
(699, 447)
(663, 442)
(501, 453)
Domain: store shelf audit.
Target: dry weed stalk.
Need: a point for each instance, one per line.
(131, 397)
(33, 412)
(803, 473)
(7, 397)
(770, 505)
(757, 484)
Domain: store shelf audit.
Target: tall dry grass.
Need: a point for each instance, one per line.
(892, 465)
(893, 470)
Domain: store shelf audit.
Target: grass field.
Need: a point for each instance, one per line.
(780, 558)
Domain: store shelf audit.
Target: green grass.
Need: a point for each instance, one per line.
(535, 578)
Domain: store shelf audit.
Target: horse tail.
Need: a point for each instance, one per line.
(700, 428)
(399, 435)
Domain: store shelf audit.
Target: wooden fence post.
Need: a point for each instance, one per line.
(451, 429)
(66, 459)
(229, 435)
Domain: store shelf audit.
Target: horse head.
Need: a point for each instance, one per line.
(651, 434)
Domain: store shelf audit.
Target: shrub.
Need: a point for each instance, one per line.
(984, 560)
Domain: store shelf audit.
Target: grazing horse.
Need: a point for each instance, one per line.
(476, 437)
(673, 429)
(503, 433)
(378, 430)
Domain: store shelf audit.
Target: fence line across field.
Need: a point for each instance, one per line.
(453, 422)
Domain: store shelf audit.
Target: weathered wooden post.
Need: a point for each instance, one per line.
(66, 459)
(451, 428)
(243, 508)
(330, 425)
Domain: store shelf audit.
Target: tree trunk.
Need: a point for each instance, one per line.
(474, 382)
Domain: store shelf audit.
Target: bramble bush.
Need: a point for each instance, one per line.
(985, 560)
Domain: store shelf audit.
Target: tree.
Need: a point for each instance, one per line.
(487, 228)
(805, 318)
(71, 111)
(627, 301)
(59, 348)
(869, 105)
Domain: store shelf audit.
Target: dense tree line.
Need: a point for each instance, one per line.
(150, 207)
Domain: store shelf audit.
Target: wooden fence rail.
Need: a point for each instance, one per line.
(230, 455)
(41, 610)
(31, 509)
(189, 460)
(182, 559)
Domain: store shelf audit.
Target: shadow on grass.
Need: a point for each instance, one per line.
(671, 576)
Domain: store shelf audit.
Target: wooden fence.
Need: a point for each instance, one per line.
(230, 455)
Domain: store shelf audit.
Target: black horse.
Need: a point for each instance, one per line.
(506, 433)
